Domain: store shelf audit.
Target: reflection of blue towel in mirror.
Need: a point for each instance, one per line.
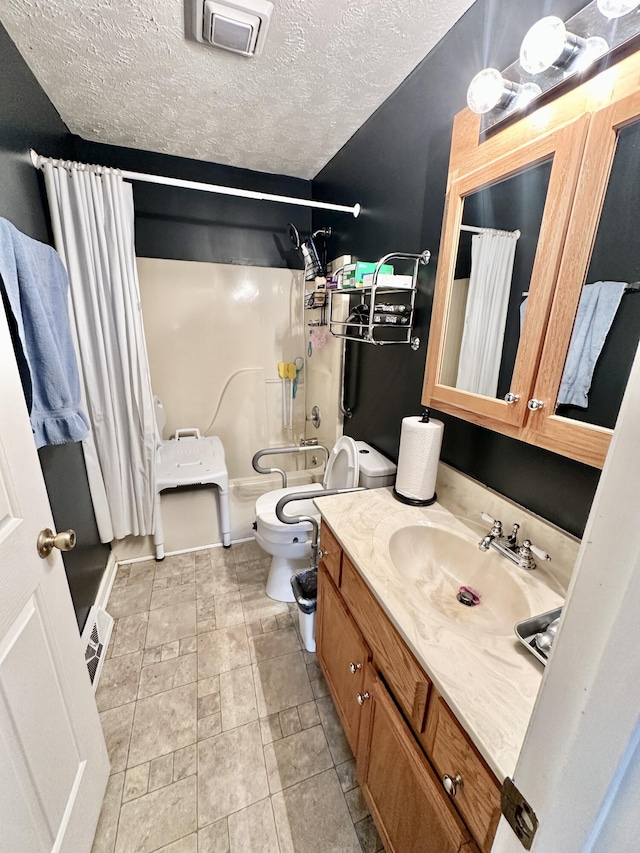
(598, 305)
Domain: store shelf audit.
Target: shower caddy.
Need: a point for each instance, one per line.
(365, 329)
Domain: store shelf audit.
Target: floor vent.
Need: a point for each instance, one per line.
(95, 639)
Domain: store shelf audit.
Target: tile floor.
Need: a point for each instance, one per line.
(221, 733)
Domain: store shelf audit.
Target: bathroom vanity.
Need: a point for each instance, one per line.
(434, 697)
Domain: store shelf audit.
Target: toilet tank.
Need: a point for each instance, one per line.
(375, 469)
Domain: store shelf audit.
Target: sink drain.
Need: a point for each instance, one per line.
(468, 596)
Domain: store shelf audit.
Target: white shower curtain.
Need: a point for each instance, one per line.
(492, 256)
(92, 217)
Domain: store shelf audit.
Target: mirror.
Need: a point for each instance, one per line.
(607, 328)
(496, 249)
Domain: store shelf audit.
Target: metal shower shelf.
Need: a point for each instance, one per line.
(369, 332)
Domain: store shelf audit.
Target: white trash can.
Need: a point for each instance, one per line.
(305, 591)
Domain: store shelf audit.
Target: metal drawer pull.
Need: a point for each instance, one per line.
(354, 667)
(451, 785)
(362, 697)
(511, 398)
(534, 405)
(322, 554)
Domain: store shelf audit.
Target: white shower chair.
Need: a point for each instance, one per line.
(190, 459)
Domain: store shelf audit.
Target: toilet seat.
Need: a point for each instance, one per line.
(290, 544)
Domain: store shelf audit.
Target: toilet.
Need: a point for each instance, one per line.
(350, 463)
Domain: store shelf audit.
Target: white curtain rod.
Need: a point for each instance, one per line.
(477, 230)
(38, 161)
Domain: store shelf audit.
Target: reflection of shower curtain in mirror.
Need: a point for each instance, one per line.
(492, 256)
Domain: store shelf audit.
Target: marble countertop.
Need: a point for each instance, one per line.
(486, 676)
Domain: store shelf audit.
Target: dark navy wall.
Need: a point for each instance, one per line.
(396, 167)
(28, 120)
(184, 224)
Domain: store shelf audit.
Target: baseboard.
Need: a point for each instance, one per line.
(209, 547)
(106, 583)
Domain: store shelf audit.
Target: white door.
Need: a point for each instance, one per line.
(53, 760)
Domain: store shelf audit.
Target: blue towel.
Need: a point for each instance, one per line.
(598, 305)
(35, 286)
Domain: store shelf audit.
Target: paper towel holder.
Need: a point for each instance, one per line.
(413, 501)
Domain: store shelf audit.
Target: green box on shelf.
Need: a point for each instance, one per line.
(352, 273)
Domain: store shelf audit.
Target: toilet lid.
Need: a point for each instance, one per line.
(343, 467)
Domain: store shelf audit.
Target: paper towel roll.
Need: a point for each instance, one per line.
(420, 444)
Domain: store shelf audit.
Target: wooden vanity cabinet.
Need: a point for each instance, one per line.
(404, 736)
(404, 794)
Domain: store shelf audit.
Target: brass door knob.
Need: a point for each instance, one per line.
(48, 540)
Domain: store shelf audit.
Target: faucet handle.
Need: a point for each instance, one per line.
(496, 525)
(540, 554)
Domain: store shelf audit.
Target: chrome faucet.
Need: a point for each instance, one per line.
(521, 555)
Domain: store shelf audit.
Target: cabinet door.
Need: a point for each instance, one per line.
(581, 392)
(331, 553)
(410, 808)
(482, 358)
(342, 653)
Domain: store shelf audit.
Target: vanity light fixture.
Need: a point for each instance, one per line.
(549, 44)
(555, 55)
(489, 90)
(617, 8)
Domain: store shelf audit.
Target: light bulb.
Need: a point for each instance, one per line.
(617, 8)
(548, 44)
(489, 89)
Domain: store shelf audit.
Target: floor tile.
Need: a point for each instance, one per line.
(170, 650)
(126, 600)
(320, 687)
(143, 571)
(244, 552)
(163, 723)
(129, 634)
(209, 726)
(118, 681)
(218, 580)
(228, 609)
(158, 819)
(253, 829)
(284, 620)
(270, 728)
(153, 655)
(188, 645)
(161, 772)
(356, 804)
(208, 685)
(168, 674)
(105, 837)
(312, 817)
(214, 838)
(237, 698)
(122, 575)
(222, 650)
(273, 644)
(231, 773)
(340, 749)
(257, 605)
(290, 722)
(296, 758)
(253, 573)
(222, 556)
(136, 782)
(368, 837)
(116, 727)
(347, 774)
(177, 595)
(269, 623)
(254, 629)
(185, 762)
(210, 704)
(308, 714)
(175, 565)
(206, 608)
(171, 623)
(188, 844)
(281, 683)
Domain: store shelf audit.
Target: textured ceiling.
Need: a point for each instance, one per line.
(121, 72)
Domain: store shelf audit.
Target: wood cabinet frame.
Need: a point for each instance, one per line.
(582, 125)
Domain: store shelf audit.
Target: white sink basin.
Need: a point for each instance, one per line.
(437, 562)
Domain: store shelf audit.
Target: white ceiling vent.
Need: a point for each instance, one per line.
(240, 27)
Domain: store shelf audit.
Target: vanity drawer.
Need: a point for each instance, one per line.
(405, 677)
(331, 553)
(452, 753)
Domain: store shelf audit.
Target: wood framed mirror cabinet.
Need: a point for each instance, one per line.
(536, 313)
